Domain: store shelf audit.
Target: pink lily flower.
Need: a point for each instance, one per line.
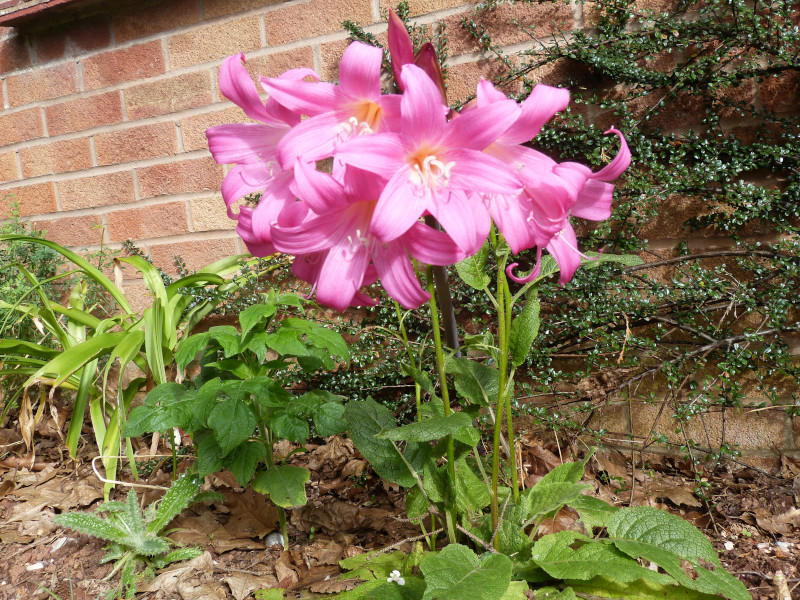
(337, 113)
(433, 165)
(252, 147)
(402, 52)
(338, 254)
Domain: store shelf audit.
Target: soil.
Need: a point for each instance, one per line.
(751, 518)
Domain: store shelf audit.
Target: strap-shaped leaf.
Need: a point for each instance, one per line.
(92, 525)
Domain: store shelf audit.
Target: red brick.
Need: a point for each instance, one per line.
(219, 8)
(36, 199)
(71, 40)
(73, 231)
(100, 190)
(313, 18)
(8, 167)
(210, 214)
(160, 220)
(464, 78)
(14, 54)
(197, 253)
(781, 94)
(423, 7)
(510, 24)
(331, 55)
(20, 126)
(214, 42)
(128, 64)
(86, 113)
(42, 84)
(136, 143)
(195, 175)
(194, 128)
(56, 157)
(275, 64)
(167, 96)
(164, 16)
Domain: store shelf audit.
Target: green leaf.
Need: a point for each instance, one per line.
(189, 348)
(594, 512)
(270, 594)
(545, 498)
(244, 460)
(571, 555)
(92, 525)
(232, 422)
(524, 329)
(329, 419)
(552, 593)
(182, 554)
(597, 258)
(474, 381)
(642, 589)
(456, 573)
(516, 591)
(285, 484)
(472, 269)
(457, 424)
(209, 454)
(367, 419)
(178, 497)
(288, 427)
(675, 546)
(472, 493)
(571, 472)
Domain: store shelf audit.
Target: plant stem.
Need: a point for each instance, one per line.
(407, 346)
(451, 462)
(507, 387)
(270, 460)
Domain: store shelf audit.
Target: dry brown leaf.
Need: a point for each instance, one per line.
(334, 586)
(207, 531)
(613, 465)
(679, 496)
(287, 576)
(7, 487)
(243, 584)
(778, 524)
(252, 514)
(187, 580)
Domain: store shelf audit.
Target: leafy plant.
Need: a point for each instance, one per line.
(606, 563)
(238, 406)
(89, 347)
(138, 544)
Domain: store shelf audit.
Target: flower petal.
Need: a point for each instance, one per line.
(249, 229)
(475, 170)
(479, 127)
(430, 246)
(243, 180)
(309, 98)
(244, 142)
(360, 71)
(381, 153)
(314, 235)
(427, 60)
(542, 104)
(510, 214)
(235, 84)
(621, 161)
(342, 273)
(398, 208)
(423, 114)
(397, 275)
(465, 218)
(319, 190)
(400, 48)
(594, 201)
(313, 139)
(564, 248)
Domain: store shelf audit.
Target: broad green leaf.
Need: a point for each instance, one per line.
(675, 546)
(552, 593)
(571, 555)
(167, 405)
(412, 589)
(227, 337)
(472, 494)
(474, 381)
(435, 428)
(524, 329)
(244, 460)
(188, 349)
(456, 573)
(367, 419)
(178, 497)
(420, 377)
(329, 419)
(253, 315)
(209, 454)
(472, 269)
(571, 472)
(285, 484)
(416, 504)
(545, 498)
(641, 589)
(366, 566)
(288, 427)
(232, 422)
(516, 591)
(269, 594)
(594, 512)
(319, 336)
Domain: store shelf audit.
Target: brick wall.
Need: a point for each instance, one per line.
(103, 120)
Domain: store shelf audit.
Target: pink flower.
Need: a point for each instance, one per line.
(252, 147)
(433, 164)
(337, 112)
(402, 52)
(338, 253)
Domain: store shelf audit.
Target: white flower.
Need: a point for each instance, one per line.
(396, 577)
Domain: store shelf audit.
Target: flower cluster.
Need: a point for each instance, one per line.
(347, 172)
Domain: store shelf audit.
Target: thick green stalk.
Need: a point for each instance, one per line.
(507, 387)
(450, 505)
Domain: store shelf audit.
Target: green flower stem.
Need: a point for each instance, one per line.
(270, 460)
(507, 380)
(450, 505)
(407, 346)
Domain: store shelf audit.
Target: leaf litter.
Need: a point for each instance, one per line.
(754, 522)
